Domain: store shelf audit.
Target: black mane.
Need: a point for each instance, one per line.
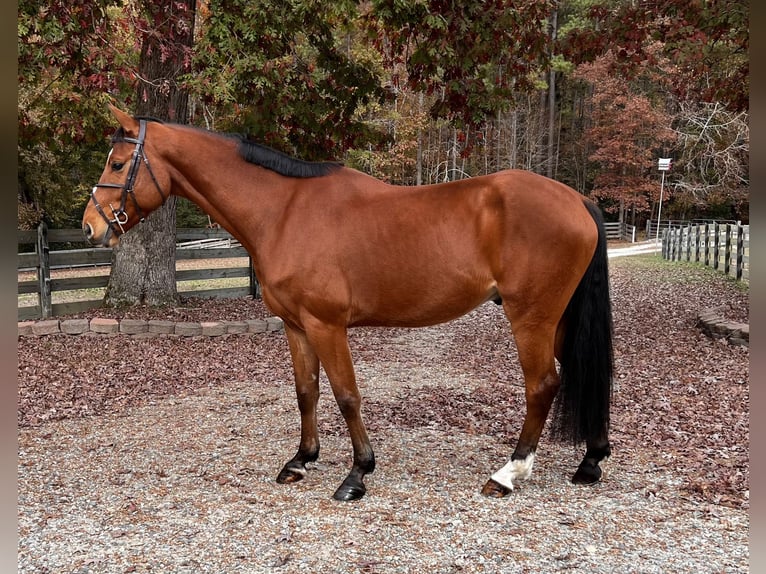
(282, 163)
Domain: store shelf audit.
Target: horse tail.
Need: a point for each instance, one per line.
(581, 410)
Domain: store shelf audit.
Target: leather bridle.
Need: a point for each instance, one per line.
(120, 216)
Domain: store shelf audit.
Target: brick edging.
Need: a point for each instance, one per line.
(147, 328)
(709, 321)
(715, 326)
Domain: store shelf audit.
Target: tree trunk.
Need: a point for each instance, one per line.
(512, 158)
(453, 156)
(552, 100)
(419, 156)
(143, 265)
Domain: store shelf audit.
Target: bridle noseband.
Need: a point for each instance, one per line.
(120, 215)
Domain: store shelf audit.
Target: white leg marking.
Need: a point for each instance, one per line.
(521, 468)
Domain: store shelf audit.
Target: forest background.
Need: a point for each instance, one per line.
(588, 92)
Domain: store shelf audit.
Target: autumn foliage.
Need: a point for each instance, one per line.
(408, 91)
(625, 136)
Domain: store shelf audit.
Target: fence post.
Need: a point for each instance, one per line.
(667, 238)
(673, 239)
(689, 242)
(681, 233)
(672, 234)
(671, 243)
(696, 243)
(716, 245)
(727, 252)
(44, 271)
(674, 244)
(682, 239)
(740, 250)
(681, 244)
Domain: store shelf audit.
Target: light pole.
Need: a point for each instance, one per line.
(664, 164)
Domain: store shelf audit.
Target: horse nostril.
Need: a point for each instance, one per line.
(88, 231)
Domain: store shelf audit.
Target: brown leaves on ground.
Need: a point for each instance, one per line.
(681, 400)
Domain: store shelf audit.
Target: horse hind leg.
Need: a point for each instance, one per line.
(589, 472)
(535, 344)
(306, 370)
(597, 445)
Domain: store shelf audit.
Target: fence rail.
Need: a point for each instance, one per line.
(208, 244)
(722, 246)
(666, 224)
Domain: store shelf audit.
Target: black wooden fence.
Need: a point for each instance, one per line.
(201, 244)
(620, 230)
(722, 246)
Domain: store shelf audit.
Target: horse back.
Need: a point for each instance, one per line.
(364, 252)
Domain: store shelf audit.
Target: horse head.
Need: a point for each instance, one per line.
(129, 187)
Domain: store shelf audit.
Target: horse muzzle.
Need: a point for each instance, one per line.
(104, 239)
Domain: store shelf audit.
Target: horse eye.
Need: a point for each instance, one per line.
(117, 166)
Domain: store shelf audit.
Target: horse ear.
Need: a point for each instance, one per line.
(128, 122)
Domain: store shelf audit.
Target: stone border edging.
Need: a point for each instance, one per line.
(708, 320)
(147, 328)
(716, 327)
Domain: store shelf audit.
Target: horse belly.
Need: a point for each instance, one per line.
(417, 300)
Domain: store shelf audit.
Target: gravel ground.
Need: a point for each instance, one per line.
(159, 455)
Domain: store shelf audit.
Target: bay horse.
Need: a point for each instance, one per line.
(334, 248)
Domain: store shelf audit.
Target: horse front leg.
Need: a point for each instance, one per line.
(331, 344)
(541, 383)
(306, 369)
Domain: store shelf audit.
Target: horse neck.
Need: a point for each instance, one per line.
(241, 197)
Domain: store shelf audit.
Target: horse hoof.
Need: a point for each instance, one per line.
(587, 474)
(288, 475)
(349, 492)
(493, 489)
